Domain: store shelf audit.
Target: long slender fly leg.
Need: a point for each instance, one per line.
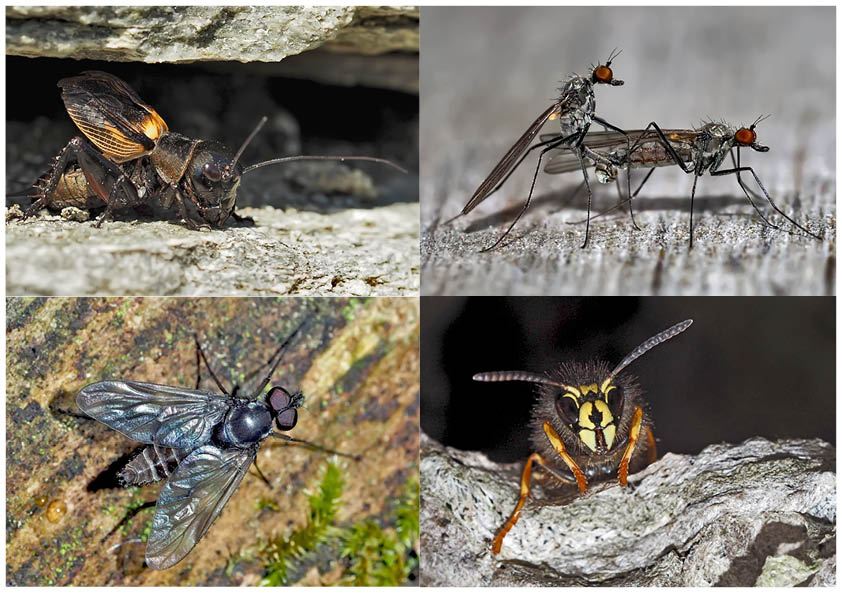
(260, 474)
(737, 170)
(549, 147)
(129, 516)
(316, 446)
(588, 186)
(610, 126)
(692, 196)
(200, 353)
(276, 358)
(519, 161)
(687, 169)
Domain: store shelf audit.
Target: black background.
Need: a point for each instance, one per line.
(746, 367)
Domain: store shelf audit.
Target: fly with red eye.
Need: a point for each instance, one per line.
(127, 156)
(575, 111)
(588, 422)
(694, 151)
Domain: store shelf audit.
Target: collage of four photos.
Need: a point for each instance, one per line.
(437, 296)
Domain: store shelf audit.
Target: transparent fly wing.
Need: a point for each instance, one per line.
(511, 157)
(192, 499)
(154, 413)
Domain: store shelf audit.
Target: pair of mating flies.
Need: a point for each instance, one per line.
(696, 151)
(128, 157)
(202, 443)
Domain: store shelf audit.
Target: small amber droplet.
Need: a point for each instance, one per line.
(745, 136)
(40, 500)
(56, 510)
(603, 74)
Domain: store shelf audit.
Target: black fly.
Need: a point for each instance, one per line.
(202, 442)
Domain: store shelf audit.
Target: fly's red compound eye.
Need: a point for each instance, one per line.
(745, 136)
(603, 74)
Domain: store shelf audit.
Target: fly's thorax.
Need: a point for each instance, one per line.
(592, 414)
(246, 423)
(712, 143)
(579, 103)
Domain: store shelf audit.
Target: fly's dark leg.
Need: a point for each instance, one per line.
(619, 204)
(588, 186)
(549, 147)
(260, 473)
(313, 445)
(606, 125)
(737, 170)
(129, 516)
(508, 175)
(279, 354)
(201, 354)
(692, 196)
(667, 147)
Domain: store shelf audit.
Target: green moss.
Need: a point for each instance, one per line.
(373, 555)
(279, 554)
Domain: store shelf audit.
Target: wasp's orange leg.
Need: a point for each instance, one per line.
(653, 450)
(525, 479)
(558, 445)
(634, 433)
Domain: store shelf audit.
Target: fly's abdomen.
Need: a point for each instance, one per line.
(152, 464)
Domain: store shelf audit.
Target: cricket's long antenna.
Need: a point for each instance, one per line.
(649, 344)
(514, 375)
(245, 144)
(325, 158)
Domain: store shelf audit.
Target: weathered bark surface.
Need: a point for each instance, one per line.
(756, 513)
(356, 361)
(155, 34)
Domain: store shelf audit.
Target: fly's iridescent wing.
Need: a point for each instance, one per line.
(111, 115)
(509, 160)
(155, 413)
(650, 151)
(192, 499)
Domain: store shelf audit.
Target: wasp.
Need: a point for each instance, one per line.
(201, 442)
(127, 157)
(575, 111)
(589, 422)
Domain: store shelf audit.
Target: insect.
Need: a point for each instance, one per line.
(574, 109)
(589, 422)
(201, 442)
(695, 151)
(128, 156)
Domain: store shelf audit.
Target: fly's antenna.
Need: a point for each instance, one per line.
(649, 344)
(759, 119)
(613, 56)
(326, 158)
(251, 136)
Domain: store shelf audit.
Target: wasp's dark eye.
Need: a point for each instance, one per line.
(212, 172)
(615, 399)
(567, 409)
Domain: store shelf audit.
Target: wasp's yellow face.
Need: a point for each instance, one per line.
(592, 411)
